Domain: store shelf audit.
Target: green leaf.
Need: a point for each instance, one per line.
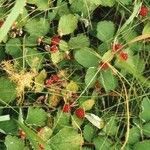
(13, 48)
(39, 81)
(31, 40)
(66, 139)
(105, 30)
(107, 56)
(91, 76)
(86, 148)
(41, 5)
(36, 116)
(104, 47)
(9, 127)
(124, 2)
(102, 143)
(108, 3)
(134, 135)
(89, 132)
(34, 58)
(138, 63)
(131, 67)
(108, 80)
(146, 29)
(76, 122)
(87, 57)
(79, 41)
(84, 7)
(8, 91)
(34, 139)
(63, 46)
(67, 24)
(14, 143)
(61, 120)
(111, 127)
(37, 27)
(142, 145)
(146, 129)
(62, 8)
(145, 105)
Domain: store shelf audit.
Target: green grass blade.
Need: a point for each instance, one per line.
(16, 10)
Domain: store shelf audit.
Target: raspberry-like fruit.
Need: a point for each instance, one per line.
(55, 78)
(41, 147)
(1, 22)
(66, 108)
(104, 65)
(123, 56)
(80, 113)
(144, 11)
(54, 48)
(116, 47)
(49, 82)
(55, 40)
(22, 134)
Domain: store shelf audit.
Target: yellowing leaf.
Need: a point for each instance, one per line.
(39, 81)
(72, 87)
(88, 104)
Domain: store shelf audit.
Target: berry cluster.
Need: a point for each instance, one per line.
(54, 44)
(53, 79)
(79, 112)
(117, 48)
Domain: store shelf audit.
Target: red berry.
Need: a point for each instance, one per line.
(55, 78)
(80, 113)
(53, 48)
(41, 147)
(116, 47)
(104, 65)
(66, 108)
(55, 40)
(123, 56)
(49, 82)
(1, 22)
(144, 11)
(22, 134)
